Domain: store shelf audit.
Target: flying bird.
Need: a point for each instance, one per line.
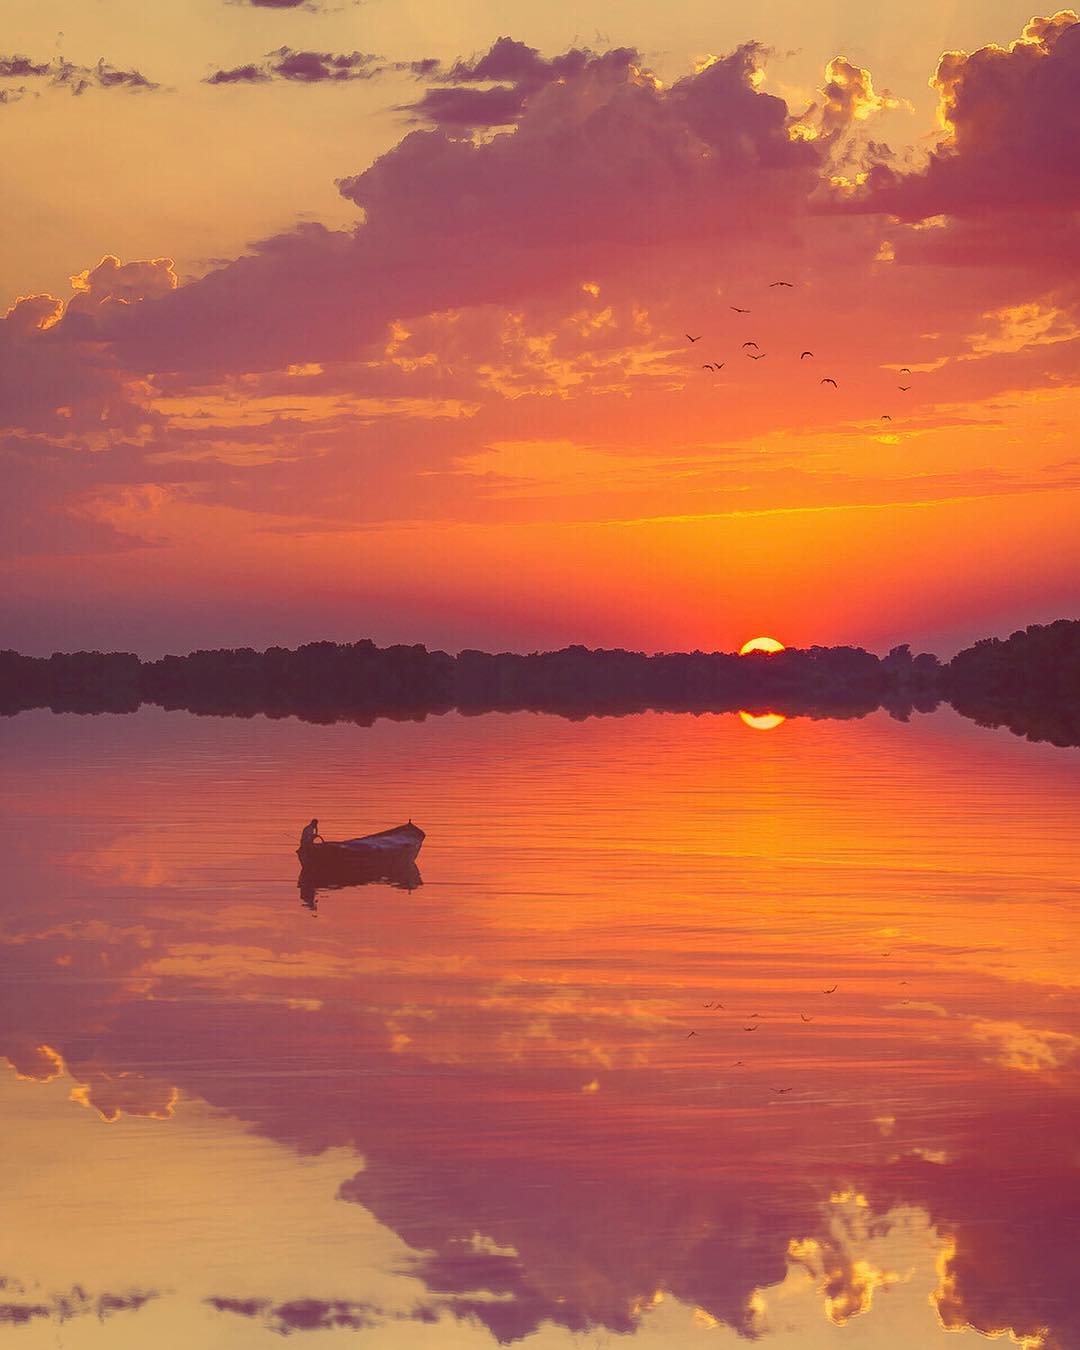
(885, 417)
(903, 388)
(827, 380)
(886, 953)
(832, 990)
(738, 1064)
(749, 344)
(905, 370)
(690, 1033)
(709, 366)
(738, 310)
(905, 981)
(760, 357)
(749, 1028)
(788, 284)
(805, 355)
(694, 339)
(780, 1091)
(805, 1018)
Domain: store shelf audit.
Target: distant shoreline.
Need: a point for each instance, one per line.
(1029, 682)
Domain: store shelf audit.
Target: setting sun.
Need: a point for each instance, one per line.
(761, 721)
(761, 644)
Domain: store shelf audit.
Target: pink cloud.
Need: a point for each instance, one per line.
(603, 161)
(1011, 121)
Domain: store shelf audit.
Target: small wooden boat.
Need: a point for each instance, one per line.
(384, 852)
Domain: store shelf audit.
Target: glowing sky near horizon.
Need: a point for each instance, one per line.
(397, 345)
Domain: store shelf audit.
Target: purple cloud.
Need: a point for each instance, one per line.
(605, 161)
(1012, 124)
(449, 107)
(249, 74)
(303, 67)
(314, 6)
(516, 71)
(64, 74)
(21, 68)
(17, 1310)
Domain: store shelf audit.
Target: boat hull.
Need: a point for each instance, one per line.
(369, 856)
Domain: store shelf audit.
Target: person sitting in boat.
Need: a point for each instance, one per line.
(309, 834)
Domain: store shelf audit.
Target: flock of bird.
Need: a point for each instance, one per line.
(714, 1005)
(758, 355)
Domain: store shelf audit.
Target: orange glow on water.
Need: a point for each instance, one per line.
(695, 884)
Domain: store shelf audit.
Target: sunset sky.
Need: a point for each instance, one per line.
(328, 319)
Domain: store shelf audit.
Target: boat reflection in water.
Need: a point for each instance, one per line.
(404, 876)
(388, 857)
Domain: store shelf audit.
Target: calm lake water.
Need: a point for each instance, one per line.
(478, 1111)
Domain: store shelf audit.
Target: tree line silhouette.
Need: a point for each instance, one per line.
(1029, 682)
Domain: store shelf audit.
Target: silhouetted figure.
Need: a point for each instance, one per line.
(309, 834)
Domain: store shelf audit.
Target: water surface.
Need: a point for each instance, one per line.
(506, 1105)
